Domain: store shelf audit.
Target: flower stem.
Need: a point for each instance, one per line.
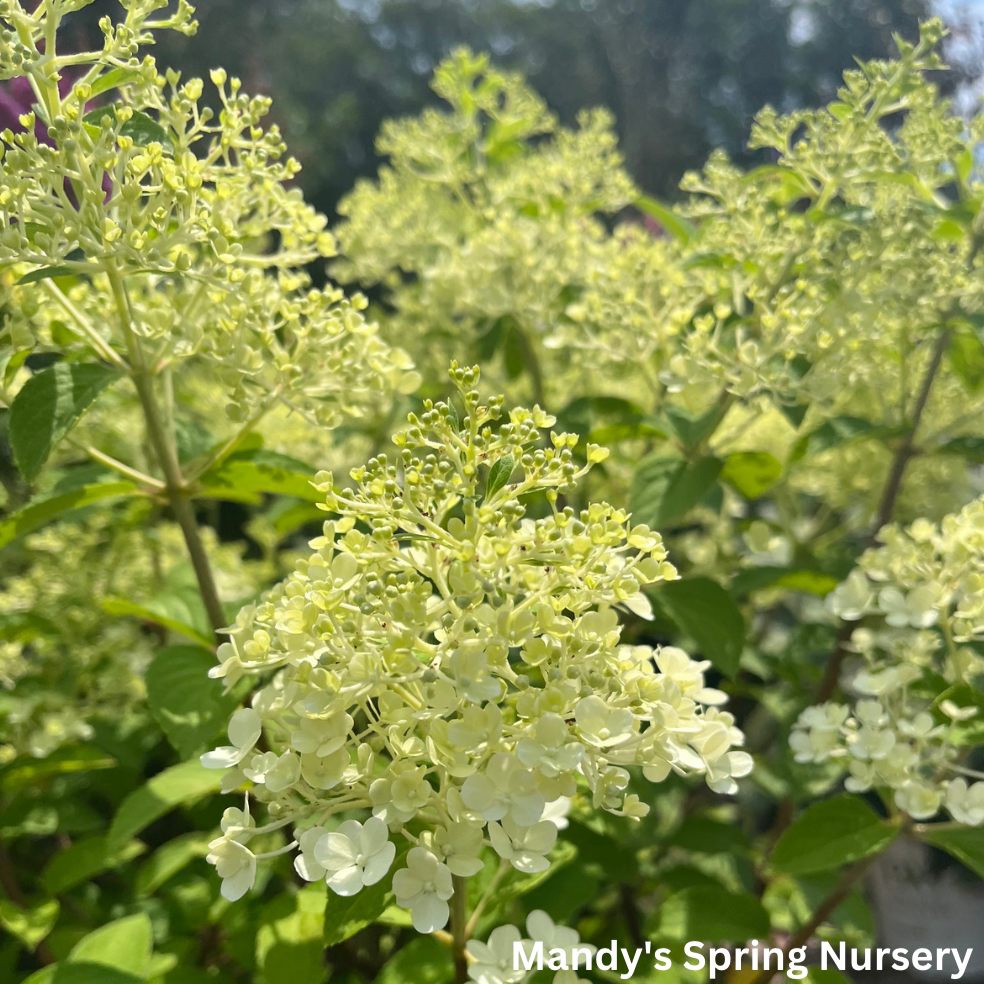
(162, 443)
(459, 928)
(822, 912)
(893, 485)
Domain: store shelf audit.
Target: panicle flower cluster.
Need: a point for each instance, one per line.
(922, 595)
(488, 215)
(177, 224)
(452, 665)
(799, 283)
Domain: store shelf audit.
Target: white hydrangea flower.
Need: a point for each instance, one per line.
(853, 598)
(493, 961)
(244, 732)
(817, 733)
(919, 799)
(552, 750)
(557, 811)
(305, 863)
(276, 772)
(424, 887)
(602, 724)
(917, 608)
(235, 864)
(965, 803)
(459, 843)
(541, 928)
(355, 855)
(505, 788)
(525, 848)
(321, 736)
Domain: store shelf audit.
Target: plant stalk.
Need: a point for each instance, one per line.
(821, 914)
(459, 928)
(162, 442)
(890, 494)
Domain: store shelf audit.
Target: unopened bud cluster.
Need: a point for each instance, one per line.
(178, 223)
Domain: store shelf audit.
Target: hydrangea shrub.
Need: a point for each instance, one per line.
(452, 663)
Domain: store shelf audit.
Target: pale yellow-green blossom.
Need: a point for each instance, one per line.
(448, 659)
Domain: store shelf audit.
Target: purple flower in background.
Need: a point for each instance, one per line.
(17, 98)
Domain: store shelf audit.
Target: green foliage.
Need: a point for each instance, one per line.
(707, 614)
(829, 834)
(177, 785)
(712, 914)
(83, 860)
(965, 844)
(48, 406)
(30, 926)
(289, 943)
(43, 509)
(190, 714)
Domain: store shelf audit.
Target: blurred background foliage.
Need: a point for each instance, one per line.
(681, 76)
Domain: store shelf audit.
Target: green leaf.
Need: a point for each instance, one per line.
(168, 789)
(757, 578)
(965, 354)
(835, 432)
(498, 476)
(423, 961)
(84, 860)
(813, 582)
(831, 833)
(11, 362)
(246, 477)
(190, 708)
(752, 473)
(713, 914)
(113, 79)
(664, 487)
(32, 925)
(170, 858)
(345, 916)
(652, 480)
(45, 273)
(44, 508)
(966, 844)
(677, 226)
(707, 836)
(692, 430)
(688, 488)
(709, 615)
(140, 127)
(22, 773)
(123, 945)
(513, 352)
(968, 447)
(48, 407)
(168, 612)
(289, 941)
(295, 516)
(81, 973)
